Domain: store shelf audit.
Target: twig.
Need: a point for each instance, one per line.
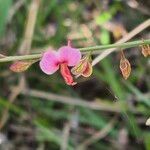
(69, 100)
(24, 49)
(128, 36)
(25, 57)
(28, 35)
(13, 95)
(86, 49)
(65, 138)
(116, 45)
(14, 9)
(116, 107)
(98, 135)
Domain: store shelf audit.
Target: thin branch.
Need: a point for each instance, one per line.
(130, 35)
(117, 45)
(98, 135)
(116, 107)
(65, 137)
(24, 49)
(25, 57)
(14, 93)
(30, 26)
(69, 100)
(14, 9)
(87, 49)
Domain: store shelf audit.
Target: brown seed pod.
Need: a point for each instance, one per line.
(125, 66)
(21, 66)
(148, 49)
(118, 31)
(145, 50)
(84, 67)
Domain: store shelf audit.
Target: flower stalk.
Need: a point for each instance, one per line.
(86, 49)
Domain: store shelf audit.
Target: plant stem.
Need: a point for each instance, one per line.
(86, 49)
(120, 46)
(25, 57)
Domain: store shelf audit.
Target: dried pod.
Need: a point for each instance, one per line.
(147, 47)
(125, 66)
(88, 70)
(21, 66)
(84, 67)
(145, 50)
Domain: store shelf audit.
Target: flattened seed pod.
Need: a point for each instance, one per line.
(125, 66)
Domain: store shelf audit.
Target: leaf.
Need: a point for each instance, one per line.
(105, 37)
(4, 10)
(103, 18)
(108, 15)
(147, 140)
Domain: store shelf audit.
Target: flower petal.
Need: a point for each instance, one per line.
(65, 72)
(49, 62)
(69, 55)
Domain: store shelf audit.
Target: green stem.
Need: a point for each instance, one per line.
(25, 57)
(86, 49)
(120, 46)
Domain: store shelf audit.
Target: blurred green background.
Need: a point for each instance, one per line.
(101, 112)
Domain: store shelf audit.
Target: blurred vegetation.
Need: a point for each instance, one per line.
(39, 123)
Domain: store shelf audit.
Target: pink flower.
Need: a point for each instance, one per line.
(64, 57)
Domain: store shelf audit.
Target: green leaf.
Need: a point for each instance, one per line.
(4, 9)
(105, 37)
(103, 18)
(147, 141)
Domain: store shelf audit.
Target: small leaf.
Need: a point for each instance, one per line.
(105, 37)
(21, 66)
(148, 122)
(125, 66)
(4, 12)
(103, 18)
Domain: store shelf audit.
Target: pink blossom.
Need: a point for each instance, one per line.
(66, 56)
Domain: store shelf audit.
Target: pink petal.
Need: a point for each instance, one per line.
(69, 55)
(65, 72)
(49, 62)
